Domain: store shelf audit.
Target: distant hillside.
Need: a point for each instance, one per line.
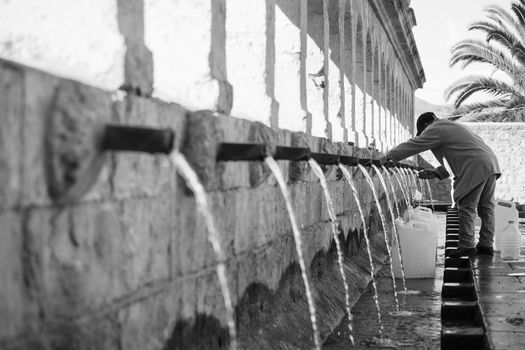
(422, 106)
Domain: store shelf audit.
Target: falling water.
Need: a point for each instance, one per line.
(392, 188)
(189, 175)
(340, 258)
(348, 177)
(274, 167)
(402, 176)
(400, 183)
(383, 223)
(394, 228)
(430, 194)
(410, 185)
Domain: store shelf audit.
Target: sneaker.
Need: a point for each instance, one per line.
(485, 250)
(462, 252)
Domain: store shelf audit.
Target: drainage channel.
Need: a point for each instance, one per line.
(461, 319)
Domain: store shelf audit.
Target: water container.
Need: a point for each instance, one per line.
(504, 211)
(419, 249)
(510, 242)
(425, 215)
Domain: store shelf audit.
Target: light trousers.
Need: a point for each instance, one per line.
(480, 199)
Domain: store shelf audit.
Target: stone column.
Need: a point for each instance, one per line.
(251, 60)
(317, 76)
(303, 68)
(360, 79)
(349, 72)
(354, 133)
(288, 64)
(189, 59)
(343, 81)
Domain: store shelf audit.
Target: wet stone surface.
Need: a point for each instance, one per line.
(417, 326)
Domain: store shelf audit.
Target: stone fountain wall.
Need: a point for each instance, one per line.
(128, 265)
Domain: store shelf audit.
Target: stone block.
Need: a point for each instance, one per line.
(11, 141)
(16, 309)
(145, 240)
(148, 323)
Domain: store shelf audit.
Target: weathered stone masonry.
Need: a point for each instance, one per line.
(128, 265)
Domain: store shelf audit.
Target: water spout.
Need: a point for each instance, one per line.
(333, 220)
(348, 177)
(276, 171)
(383, 223)
(184, 169)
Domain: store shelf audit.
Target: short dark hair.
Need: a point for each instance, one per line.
(423, 119)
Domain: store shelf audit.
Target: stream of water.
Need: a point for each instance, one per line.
(276, 171)
(393, 189)
(333, 220)
(350, 181)
(430, 194)
(394, 228)
(185, 170)
(383, 223)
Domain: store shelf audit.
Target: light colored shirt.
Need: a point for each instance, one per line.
(468, 156)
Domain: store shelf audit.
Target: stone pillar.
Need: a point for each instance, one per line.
(303, 68)
(251, 60)
(372, 98)
(316, 82)
(288, 64)
(326, 66)
(343, 63)
(356, 42)
(360, 94)
(335, 90)
(189, 59)
(349, 72)
(138, 62)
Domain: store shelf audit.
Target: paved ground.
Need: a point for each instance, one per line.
(502, 298)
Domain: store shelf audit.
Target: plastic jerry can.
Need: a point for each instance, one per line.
(418, 249)
(504, 211)
(510, 242)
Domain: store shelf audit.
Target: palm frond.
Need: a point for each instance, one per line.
(466, 87)
(495, 33)
(480, 106)
(506, 21)
(519, 11)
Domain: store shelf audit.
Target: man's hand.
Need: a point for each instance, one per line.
(383, 160)
(427, 174)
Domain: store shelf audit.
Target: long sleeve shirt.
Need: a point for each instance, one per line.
(469, 157)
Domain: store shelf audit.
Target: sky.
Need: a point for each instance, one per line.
(440, 25)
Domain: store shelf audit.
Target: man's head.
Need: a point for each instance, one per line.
(424, 121)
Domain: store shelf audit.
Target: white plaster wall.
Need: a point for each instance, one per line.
(81, 42)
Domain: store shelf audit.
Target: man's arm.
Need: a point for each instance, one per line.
(429, 139)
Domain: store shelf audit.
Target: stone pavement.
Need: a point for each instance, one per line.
(501, 290)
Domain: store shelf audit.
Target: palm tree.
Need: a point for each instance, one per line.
(504, 50)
